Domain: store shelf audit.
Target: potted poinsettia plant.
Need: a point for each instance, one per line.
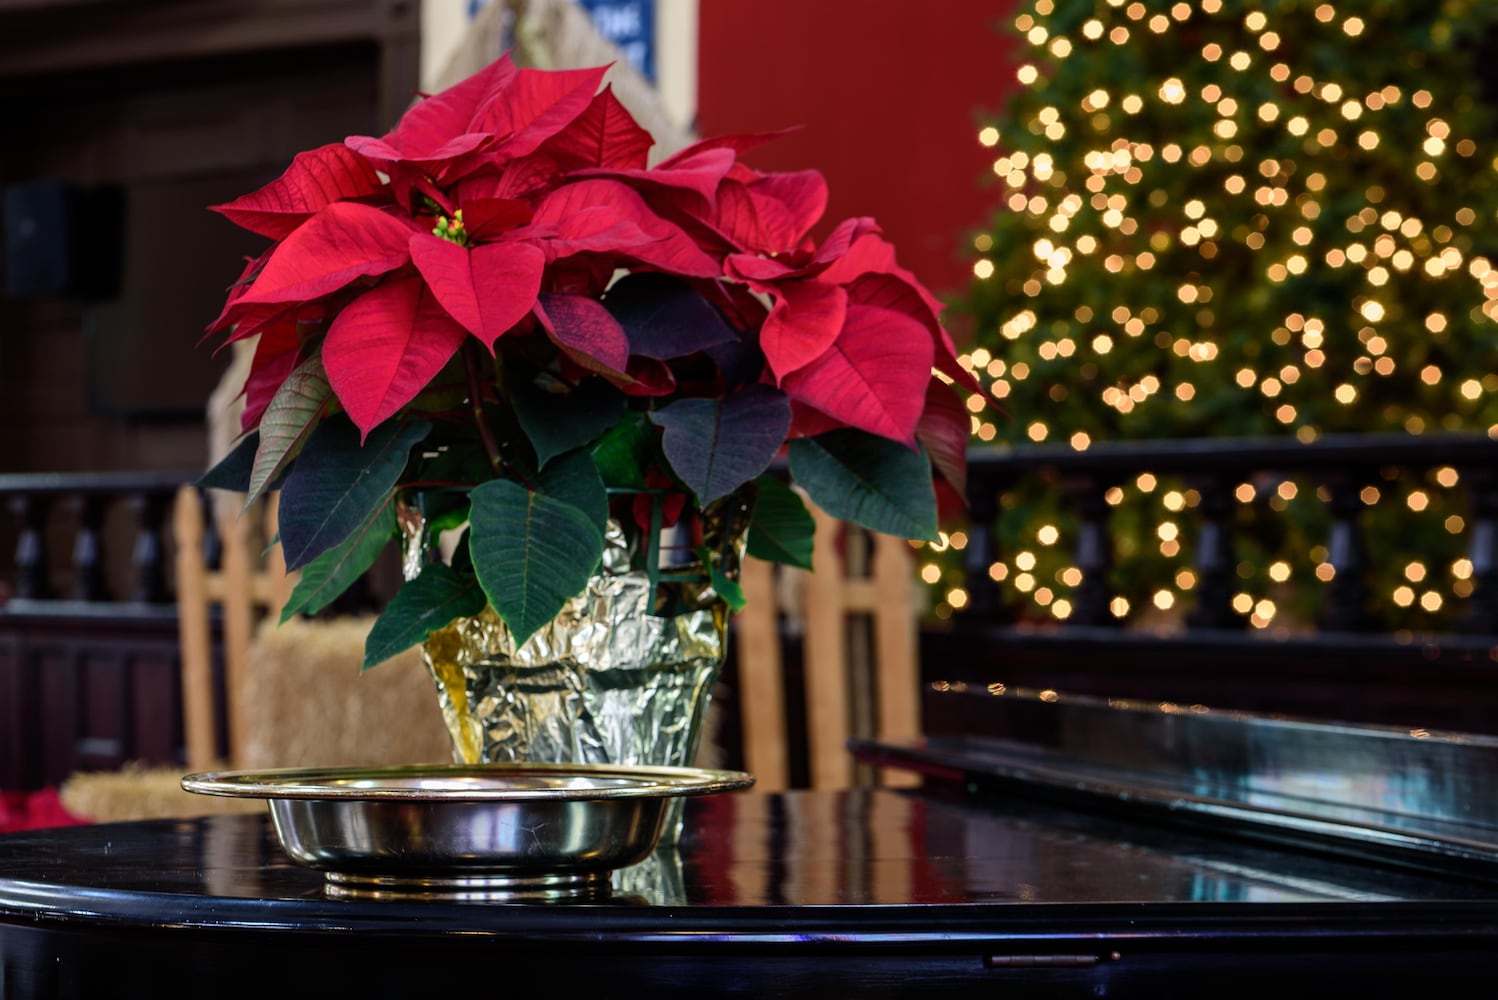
(497, 320)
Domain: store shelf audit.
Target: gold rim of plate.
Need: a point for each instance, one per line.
(498, 782)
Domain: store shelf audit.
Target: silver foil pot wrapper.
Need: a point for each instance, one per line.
(608, 680)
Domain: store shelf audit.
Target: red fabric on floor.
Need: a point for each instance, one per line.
(34, 811)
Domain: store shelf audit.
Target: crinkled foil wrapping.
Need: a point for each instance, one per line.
(607, 681)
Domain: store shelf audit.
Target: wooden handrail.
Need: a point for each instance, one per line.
(37, 500)
(1342, 463)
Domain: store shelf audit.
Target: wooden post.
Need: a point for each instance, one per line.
(1347, 600)
(896, 647)
(1215, 562)
(146, 557)
(761, 678)
(88, 549)
(33, 575)
(825, 660)
(193, 634)
(238, 597)
(1094, 554)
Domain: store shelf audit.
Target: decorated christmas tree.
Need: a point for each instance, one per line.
(1248, 218)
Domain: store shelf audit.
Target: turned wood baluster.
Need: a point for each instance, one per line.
(147, 556)
(982, 551)
(1093, 554)
(1347, 550)
(1215, 560)
(32, 577)
(1481, 612)
(88, 549)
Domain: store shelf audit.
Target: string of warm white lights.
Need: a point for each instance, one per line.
(1239, 218)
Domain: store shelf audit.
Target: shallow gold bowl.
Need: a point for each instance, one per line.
(485, 831)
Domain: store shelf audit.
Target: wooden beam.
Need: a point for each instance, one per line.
(68, 37)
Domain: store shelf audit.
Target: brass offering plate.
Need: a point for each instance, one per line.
(509, 832)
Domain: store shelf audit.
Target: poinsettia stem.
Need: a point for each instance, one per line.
(471, 361)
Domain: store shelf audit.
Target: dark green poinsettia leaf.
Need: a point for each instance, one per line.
(232, 472)
(559, 422)
(336, 485)
(531, 552)
(623, 453)
(574, 479)
(780, 527)
(422, 606)
(664, 317)
(716, 446)
(331, 573)
(293, 413)
(869, 480)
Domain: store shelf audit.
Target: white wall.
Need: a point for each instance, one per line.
(676, 58)
(442, 25)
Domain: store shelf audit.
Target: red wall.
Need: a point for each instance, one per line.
(889, 94)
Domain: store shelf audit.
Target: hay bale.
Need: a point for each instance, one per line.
(308, 705)
(140, 792)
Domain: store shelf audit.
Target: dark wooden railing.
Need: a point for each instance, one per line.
(80, 507)
(1342, 665)
(89, 663)
(1214, 467)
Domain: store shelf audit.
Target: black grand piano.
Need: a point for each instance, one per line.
(1077, 847)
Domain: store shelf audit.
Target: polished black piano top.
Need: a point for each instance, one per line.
(959, 887)
(942, 863)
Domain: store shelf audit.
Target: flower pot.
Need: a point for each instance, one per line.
(609, 680)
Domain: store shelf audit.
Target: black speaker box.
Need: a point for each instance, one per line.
(63, 240)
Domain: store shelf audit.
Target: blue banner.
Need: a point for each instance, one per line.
(629, 24)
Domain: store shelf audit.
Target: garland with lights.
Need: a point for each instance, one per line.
(1240, 218)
